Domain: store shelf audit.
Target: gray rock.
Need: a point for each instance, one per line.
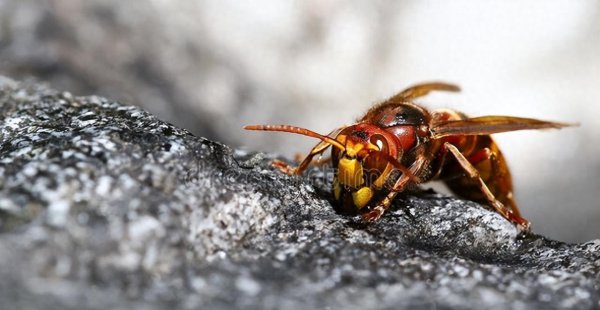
(103, 205)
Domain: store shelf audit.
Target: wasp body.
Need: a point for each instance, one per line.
(398, 143)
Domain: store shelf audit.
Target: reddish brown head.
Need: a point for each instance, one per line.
(373, 148)
(365, 156)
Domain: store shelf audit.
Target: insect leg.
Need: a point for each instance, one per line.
(399, 186)
(378, 211)
(316, 150)
(506, 198)
(318, 162)
(287, 169)
(473, 173)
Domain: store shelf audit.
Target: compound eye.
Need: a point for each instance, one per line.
(376, 163)
(379, 141)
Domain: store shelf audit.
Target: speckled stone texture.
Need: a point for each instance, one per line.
(102, 206)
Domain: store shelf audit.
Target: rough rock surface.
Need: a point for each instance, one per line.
(104, 206)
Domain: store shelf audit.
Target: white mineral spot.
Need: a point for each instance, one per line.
(546, 279)
(103, 187)
(86, 123)
(7, 205)
(478, 275)
(280, 256)
(176, 147)
(106, 143)
(128, 261)
(198, 284)
(58, 212)
(13, 122)
(145, 228)
(67, 154)
(248, 286)
(461, 271)
(515, 286)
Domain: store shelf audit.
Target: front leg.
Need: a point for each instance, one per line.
(380, 208)
(316, 150)
(405, 179)
(287, 169)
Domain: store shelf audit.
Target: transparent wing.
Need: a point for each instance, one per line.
(486, 125)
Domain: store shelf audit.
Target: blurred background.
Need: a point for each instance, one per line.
(213, 66)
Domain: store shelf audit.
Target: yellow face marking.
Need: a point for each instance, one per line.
(350, 172)
(342, 139)
(353, 148)
(362, 197)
